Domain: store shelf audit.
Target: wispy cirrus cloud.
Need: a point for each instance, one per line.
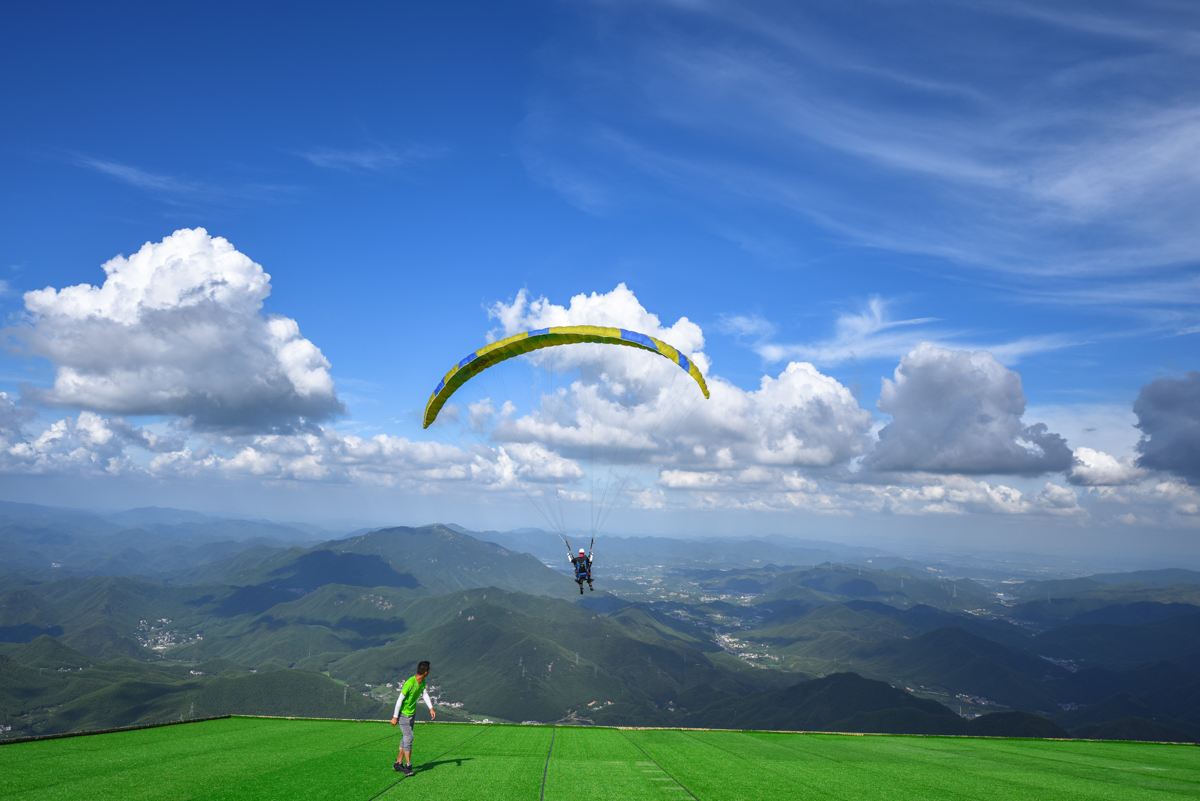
(1073, 158)
(569, 176)
(1180, 290)
(371, 158)
(871, 332)
(1118, 23)
(1012, 351)
(141, 178)
(1154, 306)
(179, 189)
(748, 326)
(865, 334)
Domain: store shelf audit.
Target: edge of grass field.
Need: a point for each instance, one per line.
(117, 729)
(743, 731)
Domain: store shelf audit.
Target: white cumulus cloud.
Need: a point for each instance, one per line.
(956, 411)
(625, 371)
(1093, 468)
(85, 444)
(178, 329)
(632, 407)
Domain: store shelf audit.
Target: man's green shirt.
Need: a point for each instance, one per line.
(412, 690)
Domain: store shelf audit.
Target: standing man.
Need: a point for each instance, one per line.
(583, 568)
(406, 709)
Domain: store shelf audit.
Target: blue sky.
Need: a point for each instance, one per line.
(828, 185)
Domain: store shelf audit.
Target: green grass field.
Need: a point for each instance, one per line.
(258, 758)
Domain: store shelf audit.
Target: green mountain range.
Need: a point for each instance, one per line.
(329, 626)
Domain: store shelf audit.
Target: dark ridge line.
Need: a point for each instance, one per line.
(546, 767)
(667, 773)
(460, 743)
(113, 730)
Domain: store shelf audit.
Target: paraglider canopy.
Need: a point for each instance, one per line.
(476, 362)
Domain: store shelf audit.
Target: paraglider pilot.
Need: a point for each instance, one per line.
(582, 562)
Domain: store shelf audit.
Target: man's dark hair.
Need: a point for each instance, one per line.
(422, 668)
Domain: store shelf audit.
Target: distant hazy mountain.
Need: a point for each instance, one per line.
(156, 516)
(428, 560)
(634, 551)
(444, 560)
(1162, 586)
(151, 542)
(835, 582)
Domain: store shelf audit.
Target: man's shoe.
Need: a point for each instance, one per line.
(407, 770)
(396, 766)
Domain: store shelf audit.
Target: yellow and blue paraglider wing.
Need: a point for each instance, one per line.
(475, 363)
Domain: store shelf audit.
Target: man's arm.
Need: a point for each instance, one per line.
(429, 703)
(396, 711)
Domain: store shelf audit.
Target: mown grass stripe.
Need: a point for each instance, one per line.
(711, 742)
(960, 778)
(546, 767)
(436, 757)
(678, 783)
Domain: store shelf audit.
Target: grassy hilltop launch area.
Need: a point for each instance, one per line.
(259, 758)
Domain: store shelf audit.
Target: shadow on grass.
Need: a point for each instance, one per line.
(431, 765)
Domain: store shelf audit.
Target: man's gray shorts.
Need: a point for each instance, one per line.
(406, 733)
